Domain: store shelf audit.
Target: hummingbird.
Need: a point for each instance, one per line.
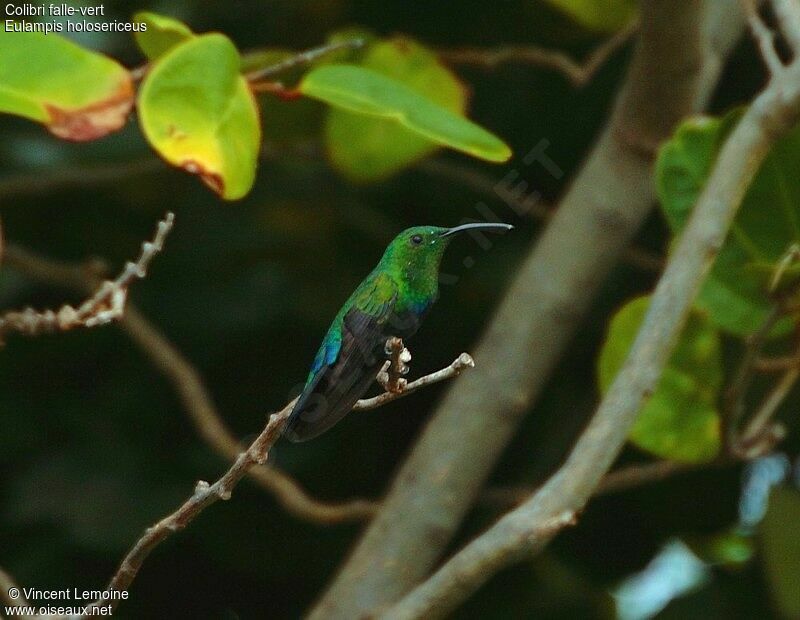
(391, 302)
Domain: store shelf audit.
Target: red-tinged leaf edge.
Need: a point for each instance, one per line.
(95, 120)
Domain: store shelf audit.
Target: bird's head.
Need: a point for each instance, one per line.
(419, 250)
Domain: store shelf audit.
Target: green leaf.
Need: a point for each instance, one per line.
(77, 94)
(768, 221)
(370, 149)
(162, 34)
(380, 151)
(600, 15)
(680, 421)
(780, 546)
(197, 111)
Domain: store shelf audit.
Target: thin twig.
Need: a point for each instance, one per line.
(761, 433)
(208, 421)
(734, 396)
(206, 494)
(300, 59)
(193, 393)
(617, 481)
(106, 305)
(579, 74)
(461, 363)
(39, 183)
(764, 37)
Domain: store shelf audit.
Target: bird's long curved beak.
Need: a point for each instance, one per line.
(497, 228)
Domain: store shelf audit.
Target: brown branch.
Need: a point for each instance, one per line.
(204, 414)
(208, 421)
(207, 494)
(579, 74)
(678, 57)
(761, 434)
(617, 481)
(193, 393)
(76, 176)
(300, 59)
(204, 496)
(458, 365)
(773, 113)
(107, 304)
(734, 397)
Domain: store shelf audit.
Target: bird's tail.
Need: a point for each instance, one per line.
(326, 399)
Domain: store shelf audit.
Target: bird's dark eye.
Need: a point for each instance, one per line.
(416, 239)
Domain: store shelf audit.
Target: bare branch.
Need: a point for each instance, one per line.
(205, 495)
(458, 365)
(302, 58)
(106, 305)
(679, 54)
(761, 434)
(208, 421)
(517, 534)
(579, 74)
(617, 481)
(734, 397)
(193, 393)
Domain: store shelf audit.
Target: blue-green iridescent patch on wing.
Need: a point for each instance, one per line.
(328, 351)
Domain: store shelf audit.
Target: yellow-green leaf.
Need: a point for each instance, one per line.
(369, 93)
(600, 15)
(680, 421)
(77, 94)
(197, 111)
(162, 33)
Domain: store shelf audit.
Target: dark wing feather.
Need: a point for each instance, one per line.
(337, 386)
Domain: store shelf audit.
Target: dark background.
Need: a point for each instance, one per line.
(95, 444)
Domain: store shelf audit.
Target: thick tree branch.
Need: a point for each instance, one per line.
(519, 533)
(579, 74)
(675, 66)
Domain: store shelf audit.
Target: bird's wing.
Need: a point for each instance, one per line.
(346, 366)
